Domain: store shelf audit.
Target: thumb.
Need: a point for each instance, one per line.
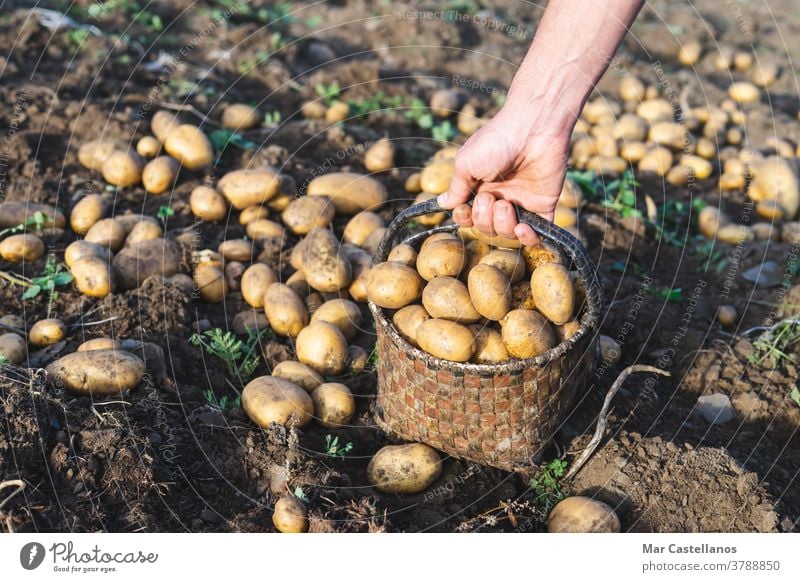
(461, 188)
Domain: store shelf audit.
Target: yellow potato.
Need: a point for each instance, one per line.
(240, 117)
(380, 156)
(445, 102)
(765, 74)
(134, 264)
(253, 213)
(350, 192)
(100, 343)
(189, 146)
(608, 166)
(211, 283)
(334, 405)
(86, 212)
(324, 266)
(448, 298)
(342, 313)
(337, 112)
(16, 212)
(290, 515)
(208, 204)
(12, 348)
(298, 373)
(735, 234)
(770, 210)
(93, 154)
(322, 347)
(633, 152)
(142, 231)
(236, 250)
(553, 292)
(654, 110)
(393, 285)
(108, 232)
(765, 231)
(361, 226)
(700, 167)
(163, 123)
(123, 168)
(489, 290)
(93, 276)
(374, 240)
(441, 258)
(690, 52)
(436, 176)
(407, 320)
(526, 333)
(46, 332)
(403, 254)
(774, 179)
(21, 247)
(582, 515)
(97, 372)
(268, 399)
(249, 187)
(261, 228)
(727, 315)
(359, 358)
(306, 213)
(159, 174)
(489, 346)
(447, 340)
(468, 121)
(404, 469)
(361, 264)
(709, 221)
(544, 252)
(314, 110)
(629, 128)
(255, 281)
(567, 330)
(148, 146)
(285, 310)
(631, 89)
(413, 184)
(744, 92)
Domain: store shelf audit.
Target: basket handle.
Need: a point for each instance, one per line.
(563, 239)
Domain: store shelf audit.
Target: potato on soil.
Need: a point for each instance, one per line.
(361, 264)
(489, 346)
(189, 146)
(268, 399)
(490, 291)
(93, 154)
(290, 515)
(100, 343)
(142, 231)
(374, 240)
(654, 110)
(307, 213)
(446, 339)
(735, 234)
(16, 212)
(553, 292)
(413, 183)
(361, 226)
(342, 313)
(359, 358)
(690, 52)
(93, 276)
(107, 232)
(324, 266)
(582, 515)
(285, 310)
(441, 258)
(262, 228)
(254, 283)
(13, 348)
(21, 247)
(393, 285)
(159, 174)
(86, 212)
(298, 373)
(249, 187)
(744, 92)
(252, 213)
(403, 254)
(380, 156)
(334, 405)
(407, 320)
(46, 332)
(631, 89)
(436, 176)
(123, 168)
(134, 264)
(727, 315)
(445, 102)
(774, 179)
(526, 333)
(350, 192)
(448, 298)
(337, 112)
(405, 469)
(474, 250)
(148, 146)
(163, 123)
(97, 372)
(323, 347)
(313, 110)
(240, 116)
(211, 283)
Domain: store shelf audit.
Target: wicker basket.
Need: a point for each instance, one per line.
(502, 415)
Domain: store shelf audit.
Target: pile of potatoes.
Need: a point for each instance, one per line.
(463, 299)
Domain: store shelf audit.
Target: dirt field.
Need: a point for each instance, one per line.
(165, 460)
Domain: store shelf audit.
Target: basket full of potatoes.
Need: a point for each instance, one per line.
(483, 345)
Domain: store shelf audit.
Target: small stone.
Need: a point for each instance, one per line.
(767, 274)
(278, 477)
(744, 348)
(715, 408)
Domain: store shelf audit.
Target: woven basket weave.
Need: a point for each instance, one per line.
(502, 415)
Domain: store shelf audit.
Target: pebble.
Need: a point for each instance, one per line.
(767, 274)
(715, 408)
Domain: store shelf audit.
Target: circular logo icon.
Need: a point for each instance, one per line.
(31, 555)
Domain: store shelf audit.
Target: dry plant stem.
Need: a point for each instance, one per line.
(601, 418)
(15, 280)
(20, 486)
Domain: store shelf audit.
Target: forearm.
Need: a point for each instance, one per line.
(573, 47)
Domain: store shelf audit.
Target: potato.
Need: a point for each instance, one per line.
(81, 248)
(380, 156)
(342, 313)
(233, 275)
(770, 210)
(609, 166)
(404, 469)
(765, 74)
(240, 117)
(544, 252)
(790, 233)
(527, 334)
(553, 292)
(136, 263)
(393, 285)
(633, 152)
(13, 320)
(163, 123)
(700, 167)
(338, 111)
(324, 266)
(236, 250)
(159, 174)
(334, 405)
(100, 343)
(148, 146)
(93, 276)
(774, 179)
(489, 346)
(361, 264)
(631, 89)
(142, 231)
(690, 53)
(629, 127)
(123, 168)
(522, 296)
(350, 192)
(441, 258)
(374, 240)
(93, 154)
(249, 187)
(443, 236)
(313, 110)
(436, 176)
(567, 330)
(475, 250)
(322, 347)
(744, 93)
(764, 231)
(654, 110)
(16, 212)
(445, 102)
(489, 290)
(723, 59)
(307, 213)
(87, 212)
(403, 254)
(253, 213)
(285, 310)
(468, 121)
(359, 358)
(448, 298)
(727, 315)
(299, 374)
(735, 234)
(407, 320)
(709, 221)
(108, 232)
(571, 195)
(413, 183)
(189, 146)
(361, 226)
(97, 372)
(211, 283)
(290, 515)
(678, 175)
(268, 399)
(610, 350)
(46, 332)
(21, 247)
(264, 228)
(582, 515)
(12, 348)
(446, 339)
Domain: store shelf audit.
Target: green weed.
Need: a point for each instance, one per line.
(545, 483)
(241, 357)
(53, 276)
(224, 404)
(334, 449)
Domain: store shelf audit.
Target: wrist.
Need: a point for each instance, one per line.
(547, 109)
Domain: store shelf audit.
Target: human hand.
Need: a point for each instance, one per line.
(505, 163)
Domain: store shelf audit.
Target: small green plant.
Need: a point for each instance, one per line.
(444, 132)
(776, 343)
(329, 93)
(240, 357)
(53, 276)
(3, 360)
(621, 195)
(222, 138)
(334, 449)
(78, 36)
(224, 404)
(419, 113)
(795, 395)
(164, 212)
(373, 357)
(667, 294)
(272, 118)
(545, 483)
(587, 181)
(37, 221)
(300, 494)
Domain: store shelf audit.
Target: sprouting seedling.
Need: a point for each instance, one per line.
(37, 221)
(222, 138)
(53, 276)
(300, 494)
(666, 294)
(545, 483)
(373, 357)
(3, 360)
(444, 132)
(777, 343)
(164, 212)
(334, 449)
(223, 404)
(272, 118)
(240, 357)
(329, 92)
(795, 395)
(621, 195)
